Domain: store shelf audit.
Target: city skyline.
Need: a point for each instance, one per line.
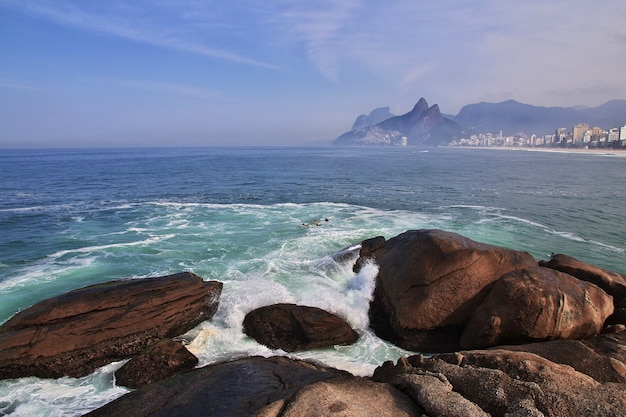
(581, 136)
(88, 74)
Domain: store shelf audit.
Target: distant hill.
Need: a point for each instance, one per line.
(513, 117)
(423, 125)
(376, 116)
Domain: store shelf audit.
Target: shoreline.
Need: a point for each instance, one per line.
(604, 152)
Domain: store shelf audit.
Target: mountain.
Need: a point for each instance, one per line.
(376, 116)
(423, 125)
(512, 117)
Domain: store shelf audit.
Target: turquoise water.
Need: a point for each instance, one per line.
(71, 218)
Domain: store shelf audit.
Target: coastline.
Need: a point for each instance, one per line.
(603, 152)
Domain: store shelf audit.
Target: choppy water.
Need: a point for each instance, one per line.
(70, 218)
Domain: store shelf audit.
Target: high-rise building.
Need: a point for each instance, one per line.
(622, 133)
(578, 132)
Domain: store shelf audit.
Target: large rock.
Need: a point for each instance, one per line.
(435, 394)
(429, 283)
(537, 304)
(293, 328)
(228, 389)
(601, 357)
(611, 282)
(77, 332)
(504, 383)
(159, 361)
(344, 396)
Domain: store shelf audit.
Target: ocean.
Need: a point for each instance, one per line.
(246, 217)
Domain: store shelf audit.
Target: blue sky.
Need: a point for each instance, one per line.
(285, 72)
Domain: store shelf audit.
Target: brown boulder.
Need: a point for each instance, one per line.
(537, 304)
(293, 328)
(344, 396)
(429, 283)
(611, 282)
(228, 389)
(79, 331)
(159, 361)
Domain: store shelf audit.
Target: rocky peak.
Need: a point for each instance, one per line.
(412, 128)
(376, 116)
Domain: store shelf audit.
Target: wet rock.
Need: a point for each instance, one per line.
(238, 388)
(79, 331)
(537, 304)
(429, 283)
(159, 361)
(293, 328)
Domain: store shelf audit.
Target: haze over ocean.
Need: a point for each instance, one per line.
(71, 218)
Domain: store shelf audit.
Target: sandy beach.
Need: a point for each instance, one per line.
(604, 152)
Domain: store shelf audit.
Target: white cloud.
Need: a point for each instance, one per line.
(320, 26)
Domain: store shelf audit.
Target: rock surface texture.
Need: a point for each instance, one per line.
(344, 396)
(501, 383)
(613, 283)
(430, 282)
(228, 389)
(293, 328)
(159, 361)
(536, 304)
(77, 332)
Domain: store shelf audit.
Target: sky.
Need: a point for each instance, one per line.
(91, 73)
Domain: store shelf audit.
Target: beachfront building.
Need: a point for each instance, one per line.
(578, 132)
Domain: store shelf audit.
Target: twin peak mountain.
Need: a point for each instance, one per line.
(426, 126)
(423, 125)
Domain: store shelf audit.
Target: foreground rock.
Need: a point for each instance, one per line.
(344, 396)
(159, 361)
(583, 378)
(430, 282)
(293, 328)
(537, 304)
(77, 332)
(501, 383)
(237, 388)
(601, 357)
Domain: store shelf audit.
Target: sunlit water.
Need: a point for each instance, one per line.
(244, 216)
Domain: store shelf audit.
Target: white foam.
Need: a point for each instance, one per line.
(27, 397)
(91, 249)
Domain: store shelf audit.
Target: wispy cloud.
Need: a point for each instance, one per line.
(164, 88)
(10, 85)
(153, 23)
(322, 28)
